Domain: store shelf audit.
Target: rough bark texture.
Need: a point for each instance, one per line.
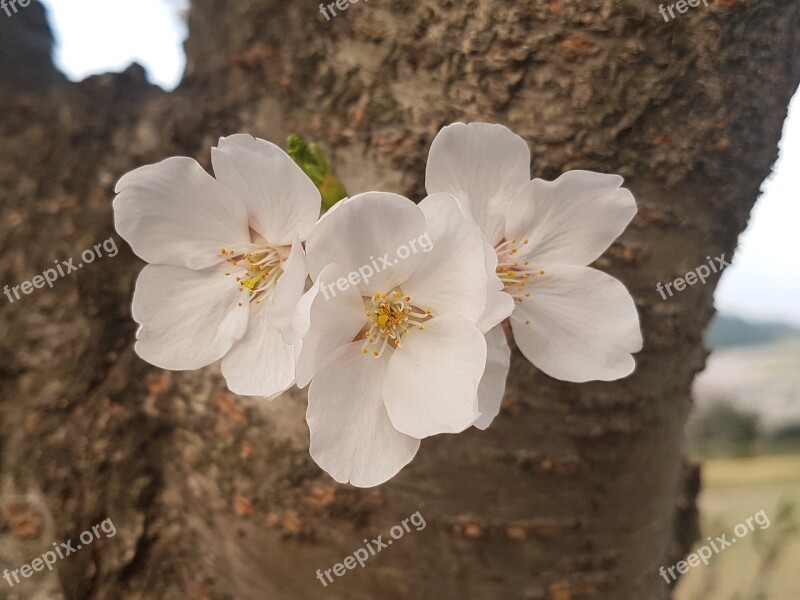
(576, 491)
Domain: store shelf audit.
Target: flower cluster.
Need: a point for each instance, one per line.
(238, 263)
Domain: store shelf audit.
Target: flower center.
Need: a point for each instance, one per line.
(513, 272)
(389, 317)
(259, 267)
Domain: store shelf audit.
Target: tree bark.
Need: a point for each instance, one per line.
(576, 490)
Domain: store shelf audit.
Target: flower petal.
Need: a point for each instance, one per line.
(366, 232)
(188, 319)
(569, 221)
(261, 363)
(481, 164)
(493, 382)
(351, 435)
(280, 198)
(174, 213)
(288, 291)
(432, 380)
(499, 304)
(583, 325)
(326, 318)
(451, 276)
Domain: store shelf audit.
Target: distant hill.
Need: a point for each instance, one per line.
(727, 331)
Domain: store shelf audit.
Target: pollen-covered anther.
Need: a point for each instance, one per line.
(390, 316)
(263, 266)
(515, 276)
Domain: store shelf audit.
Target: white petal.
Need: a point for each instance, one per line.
(280, 198)
(174, 213)
(326, 318)
(362, 231)
(351, 435)
(260, 364)
(583, 325)
(188, 319)
(481, 164)
(499, 304)
(572, 220)
(288, 291)
(432, 381)
(493, 382)
(451, 277)
(335, 207)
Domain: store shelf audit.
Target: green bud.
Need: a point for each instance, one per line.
(312, 161)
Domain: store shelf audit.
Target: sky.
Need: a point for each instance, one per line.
(763, 283)
(98, 36)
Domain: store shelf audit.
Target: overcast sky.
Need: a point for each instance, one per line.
(764, 280)
(96, 36)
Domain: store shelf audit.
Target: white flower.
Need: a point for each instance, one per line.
(401, 357)
(227, 267)
(573, 322)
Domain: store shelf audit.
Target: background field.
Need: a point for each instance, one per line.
(735, 489)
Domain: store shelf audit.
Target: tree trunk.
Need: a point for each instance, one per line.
(576, 490)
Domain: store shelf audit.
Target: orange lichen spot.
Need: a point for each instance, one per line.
(575, 45)
(242, 507)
